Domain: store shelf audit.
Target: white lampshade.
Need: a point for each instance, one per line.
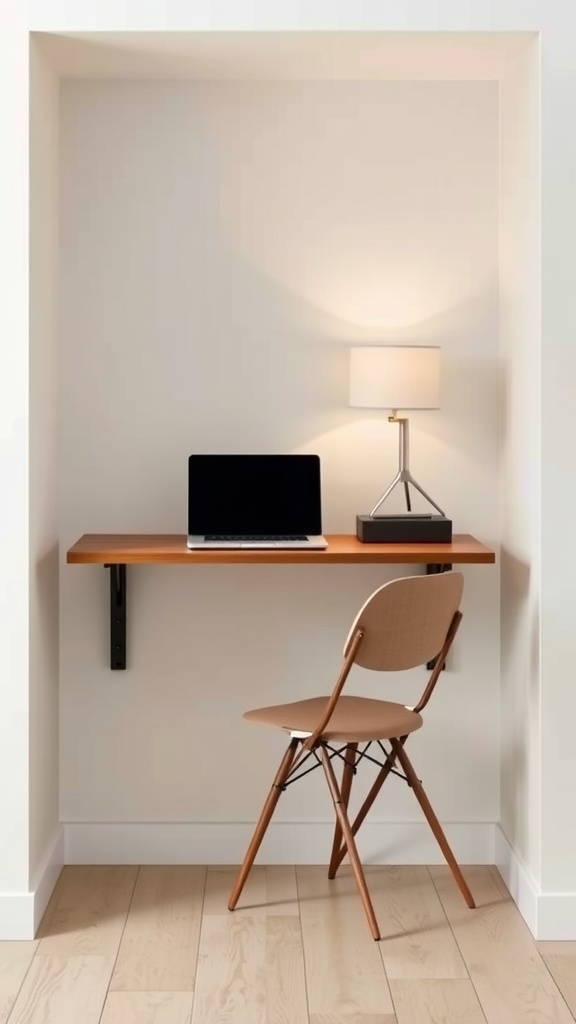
(395, 377)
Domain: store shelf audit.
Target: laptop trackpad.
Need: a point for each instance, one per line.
(258, 544)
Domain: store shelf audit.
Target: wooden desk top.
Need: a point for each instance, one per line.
(170, 549)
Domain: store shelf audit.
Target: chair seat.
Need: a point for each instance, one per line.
(354, 718)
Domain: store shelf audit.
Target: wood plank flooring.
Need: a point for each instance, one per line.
(157, 945)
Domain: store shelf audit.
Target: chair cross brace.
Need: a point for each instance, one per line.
(388, 761)
(301, 775)
(313, 753)
(353, 767)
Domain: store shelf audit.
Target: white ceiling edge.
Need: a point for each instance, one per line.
(258, 56)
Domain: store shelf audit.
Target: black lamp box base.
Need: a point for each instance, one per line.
(404, 529)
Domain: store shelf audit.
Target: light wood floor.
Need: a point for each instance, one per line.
(156, 945)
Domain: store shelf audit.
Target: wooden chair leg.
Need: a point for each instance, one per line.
(264, 820)
(347, 776)
(432, 821)
(351, 845)
(360, 817)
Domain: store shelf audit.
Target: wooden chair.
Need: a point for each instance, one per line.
(405, 623)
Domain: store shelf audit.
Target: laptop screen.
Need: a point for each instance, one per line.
(254, 494)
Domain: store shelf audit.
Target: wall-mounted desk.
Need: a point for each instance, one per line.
(116, 551)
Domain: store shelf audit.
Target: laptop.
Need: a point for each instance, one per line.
(254, 501)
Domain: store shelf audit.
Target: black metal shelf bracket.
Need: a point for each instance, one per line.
(431, 570)
(434, 567)
(117, 616)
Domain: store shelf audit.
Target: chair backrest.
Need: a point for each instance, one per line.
(405, 622)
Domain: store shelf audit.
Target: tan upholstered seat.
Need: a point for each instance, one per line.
(406, 623)
(354, 718)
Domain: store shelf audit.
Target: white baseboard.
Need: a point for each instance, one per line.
(557, 916)
(21, 912)
(16, 916)
(47, 875)
(284, 843)
(518, 880)
(549, 915)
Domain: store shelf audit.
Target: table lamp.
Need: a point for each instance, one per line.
(399, 378)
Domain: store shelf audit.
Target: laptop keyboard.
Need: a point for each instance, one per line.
(251, 536)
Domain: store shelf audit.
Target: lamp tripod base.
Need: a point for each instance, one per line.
(404, 477)
(408, 527)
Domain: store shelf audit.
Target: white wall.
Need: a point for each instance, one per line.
(28, 511)
(14, 463)
(521, 451)
(222, 246)
(558, 482)
(539, 469)
(43, 486)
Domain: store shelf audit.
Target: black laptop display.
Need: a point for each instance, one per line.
(260, 501)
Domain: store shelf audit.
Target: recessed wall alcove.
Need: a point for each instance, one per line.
(216, 217)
